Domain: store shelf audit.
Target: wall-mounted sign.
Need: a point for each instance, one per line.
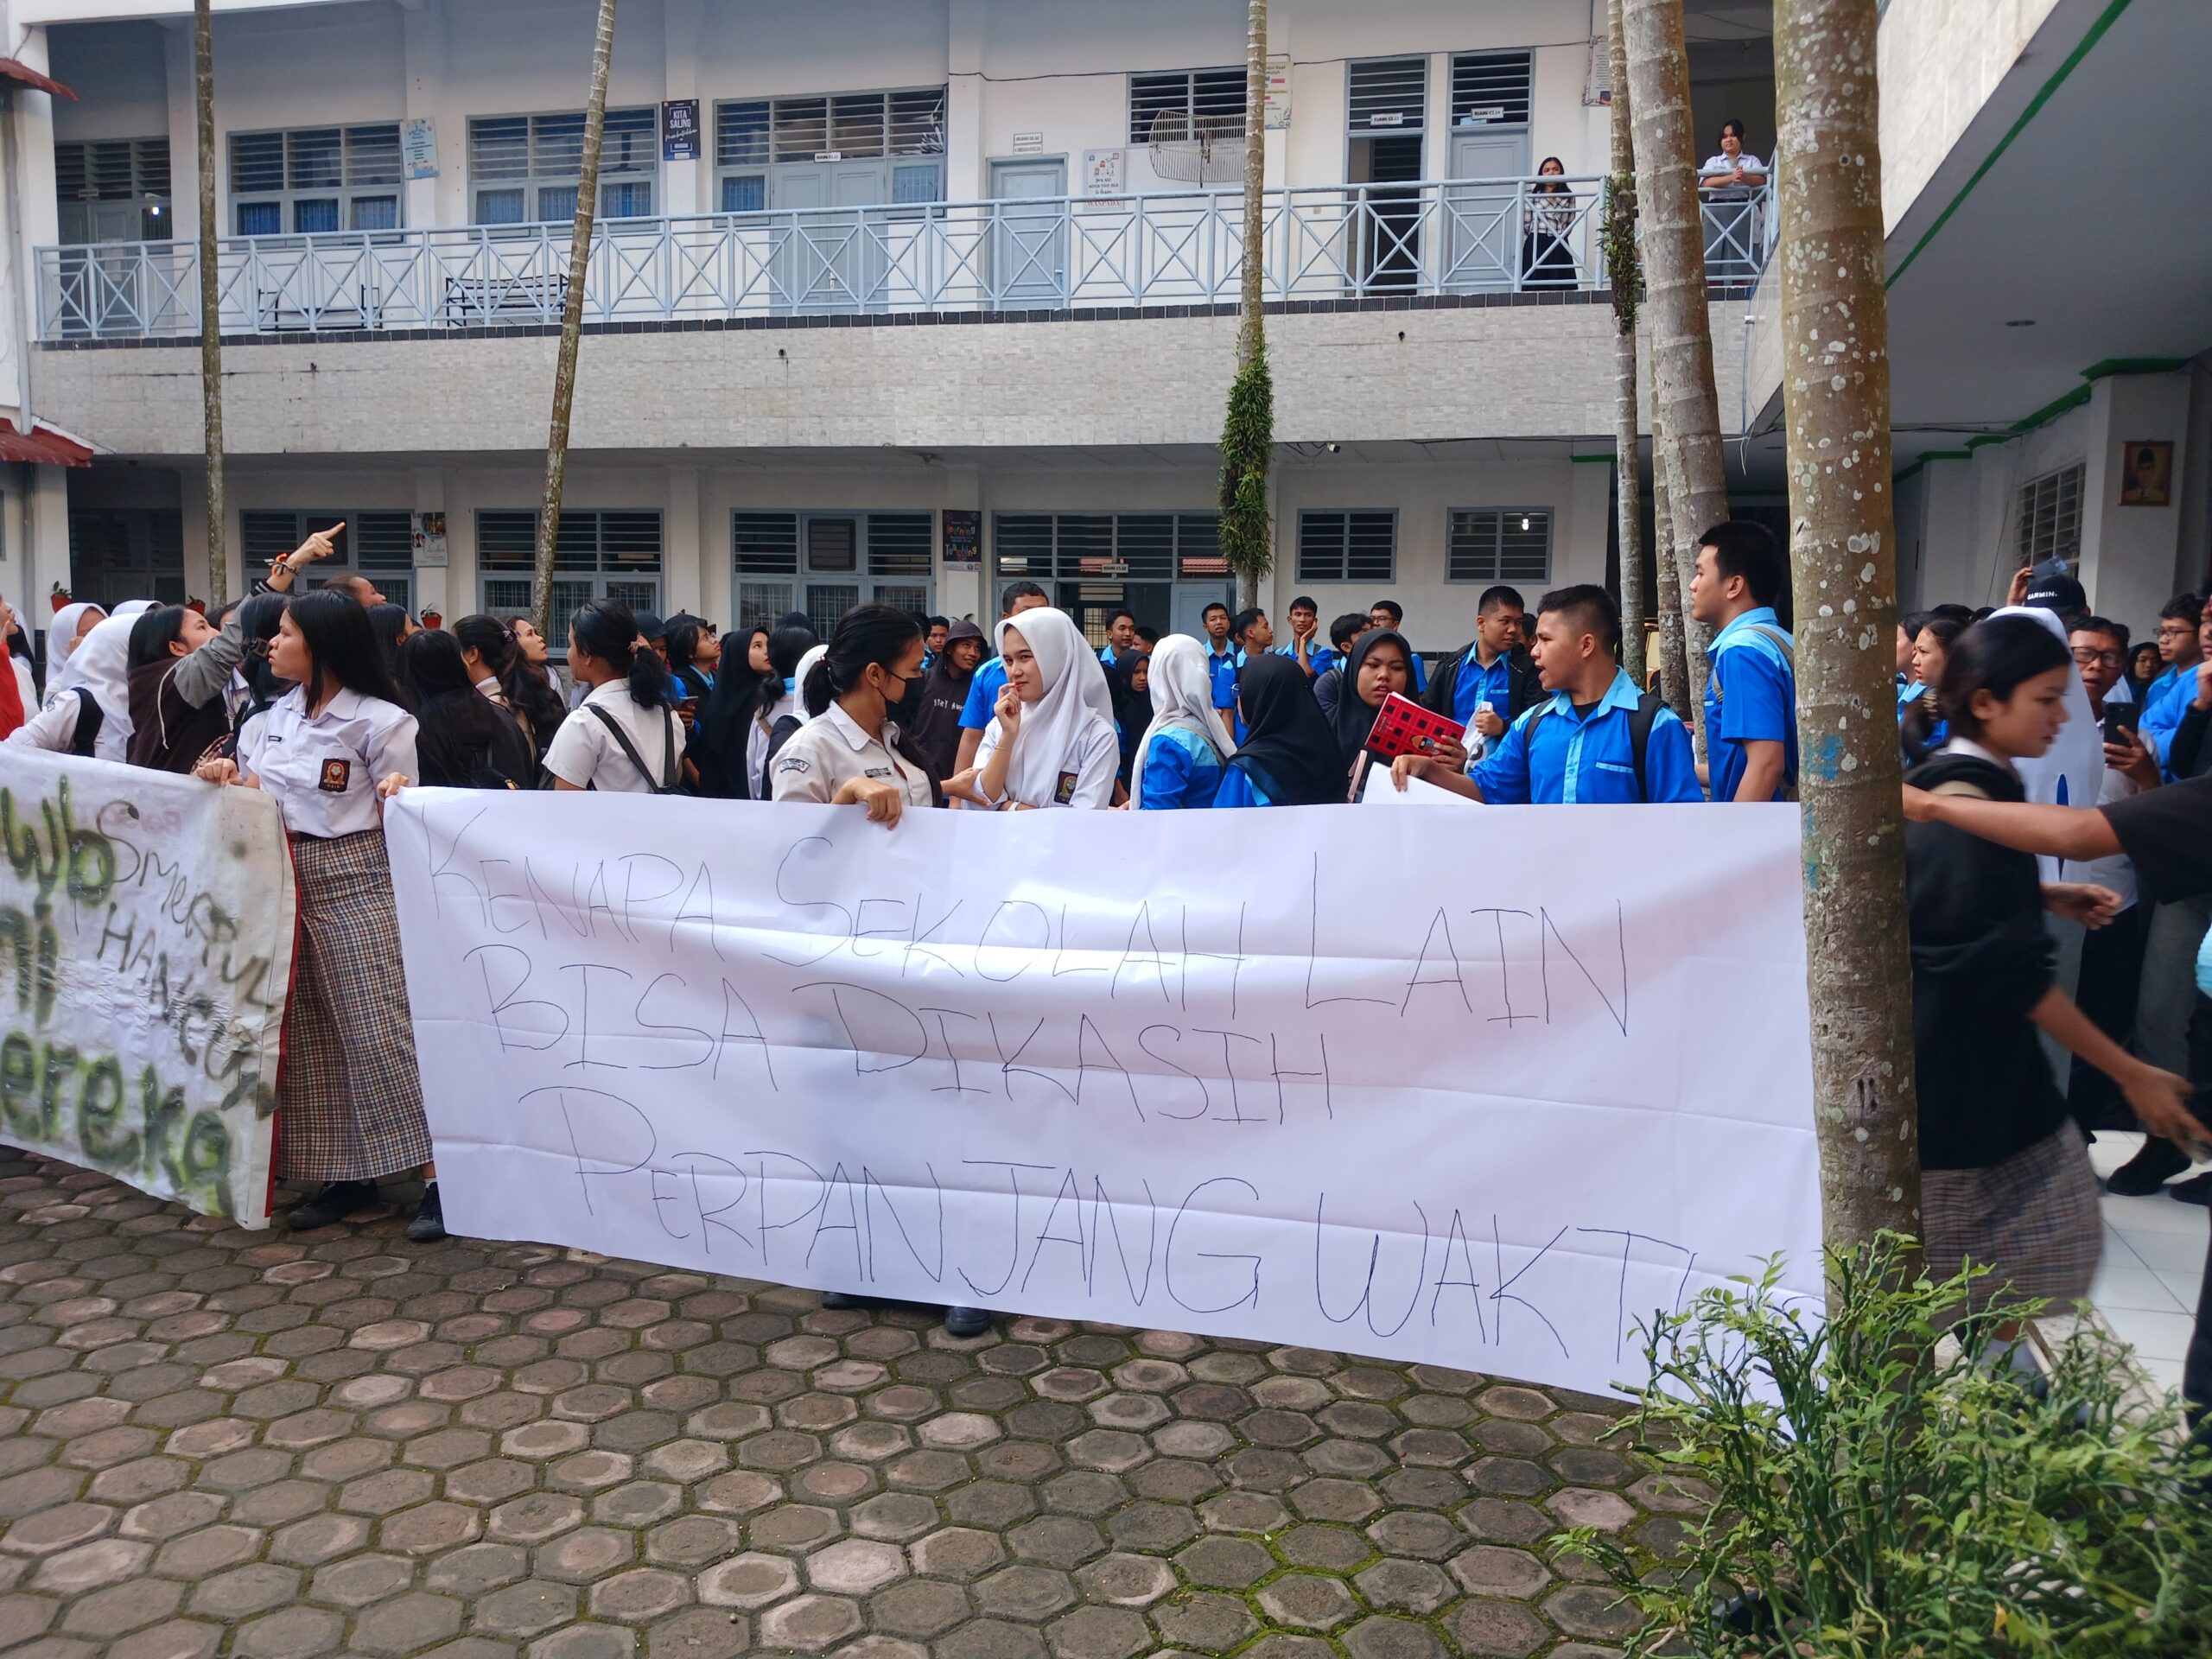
(1275, 102)
(429, 541)
(1104, 172)
(679, 129)
(963, 535)
(418, 148)
(1387, 118)
(1028, 143)
(2147, 472)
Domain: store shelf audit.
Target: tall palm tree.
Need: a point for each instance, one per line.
(211, 295)
(1686, 439)
(572, 324)
(1624, 276)
(1248, 432)
(1843, 564)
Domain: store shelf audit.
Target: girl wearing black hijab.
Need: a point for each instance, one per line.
(1381, 662)
(718, 739)
(1289, 755)
(1129, 682)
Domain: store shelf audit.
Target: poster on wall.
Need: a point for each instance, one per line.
(429, 540)
(1104, 173)
(2146, 474)
(964, 539)
(679, 129)
(1275, 102)
(418, 148)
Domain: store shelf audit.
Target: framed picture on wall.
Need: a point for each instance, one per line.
(2146, 474)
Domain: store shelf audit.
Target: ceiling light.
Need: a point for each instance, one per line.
(1524, 521)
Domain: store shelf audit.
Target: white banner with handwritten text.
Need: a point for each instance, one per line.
(147, 921)
(1481, 1088)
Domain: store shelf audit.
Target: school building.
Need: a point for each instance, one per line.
(908, 299)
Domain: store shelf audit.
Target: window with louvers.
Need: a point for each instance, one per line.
(1389, 95)
(611, 543)
(1499, 545)
(2050, 516)
(315, 180)
(1187, 104)
(884, 557)
(377, 542)
(112, 190)
(528, 169)
(1360, 546)
(1491, 89)
(752, 135)
(1108, 547)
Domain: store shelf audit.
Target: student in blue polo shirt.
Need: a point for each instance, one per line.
(1487, 685)
(1751, 694)
(1389, 613)
(1120, 638)
(1305, 647)
(2167, 698)
(1596, 741)
(985, 684)
(1221, 660)
(1252, 636)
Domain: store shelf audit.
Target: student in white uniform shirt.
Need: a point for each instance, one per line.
(624, 737)
(1051, 741)
(790, 650)
(331, 751)
(852, 751)
(88, 707)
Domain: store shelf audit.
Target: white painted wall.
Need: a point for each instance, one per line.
(2131, 556)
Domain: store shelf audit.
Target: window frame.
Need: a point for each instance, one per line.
(871, 579)
(149, 188)
(2027, 509)
(763, 167)
(1345, 574)
(259, 535)
(1550, 522)
(642, 119)
(1141, 116)
(346, 196)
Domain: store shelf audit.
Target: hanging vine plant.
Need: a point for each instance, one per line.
(1616, 240)
(1248, 438)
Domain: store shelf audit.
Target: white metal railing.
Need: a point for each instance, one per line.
(1337, 242)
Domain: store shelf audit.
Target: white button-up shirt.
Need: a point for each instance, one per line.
(828, 752)
(584, 752)
(1722, 165)
(324, 769)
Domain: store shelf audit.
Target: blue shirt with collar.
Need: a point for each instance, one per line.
(1181, 769)
(2165, 699)
(1587, 760)
(1751, 695)
(983, 694)
(1321, 659)
(1240, 788)
(1476, 683)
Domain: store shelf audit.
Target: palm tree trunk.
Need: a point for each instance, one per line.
(1248, 431)
(1250, 332)
(211, 297)
(1624, 276)
(1673, 663)
(1843, 563)
(1687, 435)
(572, 325)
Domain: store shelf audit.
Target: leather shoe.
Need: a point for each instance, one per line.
(2159, 1162)
(966, 1321)
(337, 1201)
(429, 1224)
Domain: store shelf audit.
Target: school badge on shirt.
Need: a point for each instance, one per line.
(1063, 791)
(336, 774)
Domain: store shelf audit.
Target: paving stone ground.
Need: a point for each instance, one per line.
(218, 1442)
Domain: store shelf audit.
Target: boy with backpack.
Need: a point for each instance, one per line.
(1751, 695)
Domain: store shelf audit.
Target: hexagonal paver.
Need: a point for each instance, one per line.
(1025, 1593)
(810, 1623)
(855, 1567)
(919, 1608)
(750, 1580)
(1225, 1563)
(1308, 1601)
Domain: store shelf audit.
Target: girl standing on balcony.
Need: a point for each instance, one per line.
(1545, 260)
(331, 751)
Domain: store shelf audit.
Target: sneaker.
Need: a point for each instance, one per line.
(966, 1321)
(2198, 1189)
(838, 1300)
(429, 1224)
(2148, 1170)
(337, 1201)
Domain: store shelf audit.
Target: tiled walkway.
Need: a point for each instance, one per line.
(217, 1442)
(2146, 1285)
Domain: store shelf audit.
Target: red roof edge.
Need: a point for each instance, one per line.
(13, 69)
(42, 446)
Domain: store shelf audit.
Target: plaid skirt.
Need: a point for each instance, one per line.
(349, 1104)
(2032, 1219)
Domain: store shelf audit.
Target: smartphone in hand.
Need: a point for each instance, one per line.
(2122, 719)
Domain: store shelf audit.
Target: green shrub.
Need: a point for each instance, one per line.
(1877, 1499)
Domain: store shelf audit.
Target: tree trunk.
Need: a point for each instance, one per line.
(572, 326)
(1673, 666)
(1686, 434)
(1248, 432)
(1625, 278)
(210, 298)
(1843, 560)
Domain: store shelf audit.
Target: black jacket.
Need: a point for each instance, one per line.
(1982, 959)
(1526, 690)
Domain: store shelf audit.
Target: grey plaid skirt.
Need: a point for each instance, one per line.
(2032, 1219)
(349, 1102)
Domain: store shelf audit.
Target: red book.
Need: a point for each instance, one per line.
(1403, 726)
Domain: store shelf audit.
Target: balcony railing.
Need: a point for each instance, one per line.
(1335, 243)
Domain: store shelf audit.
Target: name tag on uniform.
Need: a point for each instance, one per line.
(336, 775)
(1063, 791)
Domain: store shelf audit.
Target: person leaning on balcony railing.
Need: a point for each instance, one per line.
(1547, 221)
(1732, 175)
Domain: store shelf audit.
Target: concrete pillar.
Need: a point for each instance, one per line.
(969, 21)
(183, 130)
(431, 592)
(2131, 551)
(687, 185)
(192, 504)
(960, 592)
(423, 27)
(46, 559)
(684, 577)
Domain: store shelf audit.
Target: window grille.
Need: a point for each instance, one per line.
(1499, 545)
(1355, 546)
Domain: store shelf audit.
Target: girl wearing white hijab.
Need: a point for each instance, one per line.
(1051, 741)
(71, 623)
(98, 674)
(1179, 758)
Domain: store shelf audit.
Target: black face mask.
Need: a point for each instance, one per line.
(908, 708)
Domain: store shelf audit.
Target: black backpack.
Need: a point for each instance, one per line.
(672, 779)
(1639, 734)
(90, 718)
